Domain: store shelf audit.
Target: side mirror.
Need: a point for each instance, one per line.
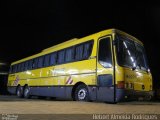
(133, 68)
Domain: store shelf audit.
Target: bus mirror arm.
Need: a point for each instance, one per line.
(133, 68)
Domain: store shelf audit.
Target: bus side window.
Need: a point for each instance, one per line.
(11, 69)
(16, 67)
(61, 55)
(79, 52)
(104, 53)
(46, 60)
(22, 66)
(19, 67)
(53, 58)
(35, 61)
(87, 49)
(26, 65)
(69, 54)
(30, 64)
(40, 62)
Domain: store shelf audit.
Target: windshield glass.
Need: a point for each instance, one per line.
(130, 53)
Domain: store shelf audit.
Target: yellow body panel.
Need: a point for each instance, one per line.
(81, 71)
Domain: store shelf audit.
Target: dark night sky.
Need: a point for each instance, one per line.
(29, 26)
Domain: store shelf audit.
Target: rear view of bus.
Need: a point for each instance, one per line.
(132, 74)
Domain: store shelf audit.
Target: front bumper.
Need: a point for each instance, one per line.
(137, 94)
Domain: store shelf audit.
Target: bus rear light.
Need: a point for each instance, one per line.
(120, 84)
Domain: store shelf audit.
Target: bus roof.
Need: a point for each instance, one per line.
(128, 35)
(74, 41)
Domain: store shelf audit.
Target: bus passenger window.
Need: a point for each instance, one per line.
(79, 52)
(19, 67)
(69, 54)
(22, 66)
(87, 49)
(53, 58)
(46, 60)
(35, 61)
(15, 68)
(105, 56)
(11, 69)
(26, 65)
(30, 64)
(61, 55)
(40, 62)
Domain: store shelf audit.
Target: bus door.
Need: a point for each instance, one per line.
(105, 70)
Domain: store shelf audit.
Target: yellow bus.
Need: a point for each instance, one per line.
(108, 66)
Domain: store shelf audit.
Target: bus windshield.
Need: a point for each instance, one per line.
(131, 54)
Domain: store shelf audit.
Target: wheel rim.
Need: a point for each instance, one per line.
(18, 92)
(26, 91)
(82, 94)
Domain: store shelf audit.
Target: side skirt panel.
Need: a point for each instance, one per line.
(53, 91)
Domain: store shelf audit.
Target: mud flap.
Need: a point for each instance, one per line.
(105, 94)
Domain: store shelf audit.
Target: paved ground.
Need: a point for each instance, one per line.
(14, 105)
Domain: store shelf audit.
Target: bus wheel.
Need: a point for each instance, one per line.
(19, 92)
(148, 97)
(26, 92)
(81, 93)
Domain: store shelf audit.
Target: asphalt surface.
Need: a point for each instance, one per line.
(12, 105)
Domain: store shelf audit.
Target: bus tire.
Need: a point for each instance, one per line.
(148, 98)
(26, 92)
(42, 97)
(81, 93)
(19, 92)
